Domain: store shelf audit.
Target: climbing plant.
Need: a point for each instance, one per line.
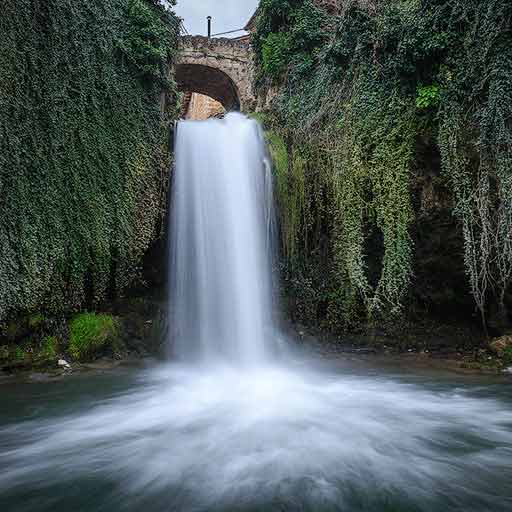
(83, 155)
(363, 89)
(475, 138)
(287, 31)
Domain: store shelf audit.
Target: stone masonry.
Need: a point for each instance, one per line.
(203, 107)
(218, 67)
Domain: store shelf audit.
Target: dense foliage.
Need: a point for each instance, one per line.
(357, 92)
(83, 156)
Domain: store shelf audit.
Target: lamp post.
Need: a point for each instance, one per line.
(209, 23)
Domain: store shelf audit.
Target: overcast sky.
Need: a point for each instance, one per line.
(226, 14)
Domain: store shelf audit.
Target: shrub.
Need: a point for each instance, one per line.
(49, 347)
(428, 96)
(90, 333)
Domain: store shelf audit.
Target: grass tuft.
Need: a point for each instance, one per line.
(91, 333)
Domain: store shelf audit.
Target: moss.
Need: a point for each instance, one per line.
(35, 321)
(49, 348)
(90, 334)
(289, 173)
(20, 354)
(260, 117)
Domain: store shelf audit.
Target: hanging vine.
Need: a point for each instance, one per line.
(83, 146)
(361, 88)
(476, 143)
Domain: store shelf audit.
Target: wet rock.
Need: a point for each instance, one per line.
(62, 363)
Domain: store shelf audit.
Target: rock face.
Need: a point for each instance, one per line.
(220, 68)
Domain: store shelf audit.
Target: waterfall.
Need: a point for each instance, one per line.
(220, 257)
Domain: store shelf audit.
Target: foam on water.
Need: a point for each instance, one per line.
(215, 438)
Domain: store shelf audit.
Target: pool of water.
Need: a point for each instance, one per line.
(301, 437)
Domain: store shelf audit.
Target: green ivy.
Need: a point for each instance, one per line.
(83, 152)
(276, 54)
(295, 47)
(358, 94)
(428, 96)
(145, 43)
(475, 139)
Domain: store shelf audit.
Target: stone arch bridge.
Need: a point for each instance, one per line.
(220, 68)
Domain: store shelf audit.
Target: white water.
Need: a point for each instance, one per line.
(216, 433)
(220, 255)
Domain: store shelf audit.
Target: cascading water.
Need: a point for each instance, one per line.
(220, 295)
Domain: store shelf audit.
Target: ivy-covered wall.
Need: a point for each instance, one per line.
(392, 138)
(84, 153)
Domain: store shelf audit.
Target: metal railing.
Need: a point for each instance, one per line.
(228, 32)
(183, 30)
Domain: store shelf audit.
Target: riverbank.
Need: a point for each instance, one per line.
(101, 366)
(481, 362)
(444, 348)
(52, 347)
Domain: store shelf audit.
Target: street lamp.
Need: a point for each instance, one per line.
(209, 22)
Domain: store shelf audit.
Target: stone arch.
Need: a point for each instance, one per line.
(210, 81)
(217, 67)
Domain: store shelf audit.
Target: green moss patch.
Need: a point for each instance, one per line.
(90, 334)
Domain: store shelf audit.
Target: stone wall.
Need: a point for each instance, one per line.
(218, 67)
(203, 107)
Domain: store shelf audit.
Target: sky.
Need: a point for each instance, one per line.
(226, 14)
